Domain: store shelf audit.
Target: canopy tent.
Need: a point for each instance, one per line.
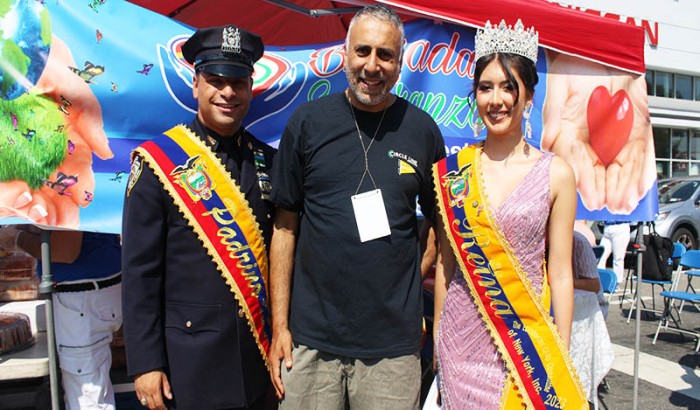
(561, 29)
(276, 25)
(132, 68)
(141, 85)
(613, 44)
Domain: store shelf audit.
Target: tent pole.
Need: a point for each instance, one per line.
(46, 290)
(639, 249)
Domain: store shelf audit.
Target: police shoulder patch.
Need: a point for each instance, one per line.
(136, 168)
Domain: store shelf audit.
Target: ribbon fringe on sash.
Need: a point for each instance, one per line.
(219, 214)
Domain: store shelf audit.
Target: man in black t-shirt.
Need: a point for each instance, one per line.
(345, 255)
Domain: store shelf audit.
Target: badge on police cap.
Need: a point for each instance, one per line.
(227, 51)
(232, 40)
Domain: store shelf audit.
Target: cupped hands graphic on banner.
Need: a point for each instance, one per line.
(52, 124)
(597, 119)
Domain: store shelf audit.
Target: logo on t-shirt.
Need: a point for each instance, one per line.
(407, 165)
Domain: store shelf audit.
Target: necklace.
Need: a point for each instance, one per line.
(513, 153)
(365, 151)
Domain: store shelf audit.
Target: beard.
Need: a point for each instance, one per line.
(364, 98)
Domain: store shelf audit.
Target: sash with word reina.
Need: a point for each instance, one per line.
(215, 208)
(540, 372)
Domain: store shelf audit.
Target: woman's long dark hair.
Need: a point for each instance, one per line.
(523, 65)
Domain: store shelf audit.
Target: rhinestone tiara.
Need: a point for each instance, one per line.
(507, 39)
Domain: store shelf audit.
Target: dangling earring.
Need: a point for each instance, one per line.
(477, 127)
(528, 127)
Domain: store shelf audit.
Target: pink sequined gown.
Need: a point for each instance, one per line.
(471, 371)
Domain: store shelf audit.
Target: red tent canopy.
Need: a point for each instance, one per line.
(276, 25)
(569, 31)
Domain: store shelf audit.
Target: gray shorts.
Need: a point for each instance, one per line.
(325, 381)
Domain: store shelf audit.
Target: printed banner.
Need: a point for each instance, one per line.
(83, 83)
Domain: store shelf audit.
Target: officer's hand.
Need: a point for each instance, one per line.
(150, 389)
(281, 349)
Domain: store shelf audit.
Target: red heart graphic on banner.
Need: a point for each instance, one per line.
(609, 122)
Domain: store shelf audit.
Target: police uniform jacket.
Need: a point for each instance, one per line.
(179, 314)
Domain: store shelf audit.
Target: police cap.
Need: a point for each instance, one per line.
(226, 51)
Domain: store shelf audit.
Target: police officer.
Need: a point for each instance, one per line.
(196, 228)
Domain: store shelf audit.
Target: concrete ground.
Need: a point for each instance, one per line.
(669, 371)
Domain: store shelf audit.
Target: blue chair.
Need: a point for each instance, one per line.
(608, 281)
(689, 261)
(678, 250)
(690, 274)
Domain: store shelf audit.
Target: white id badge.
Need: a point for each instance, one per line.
(370, 215)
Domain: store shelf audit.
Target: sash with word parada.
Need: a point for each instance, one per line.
(219, 214)
(540, 373)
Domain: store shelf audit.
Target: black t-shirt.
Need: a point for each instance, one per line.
(352, 298)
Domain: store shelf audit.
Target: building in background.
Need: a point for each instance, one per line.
(672, 56)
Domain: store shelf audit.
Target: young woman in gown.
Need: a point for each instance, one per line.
(502, 204)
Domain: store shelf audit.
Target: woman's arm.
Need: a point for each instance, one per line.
(560, 240)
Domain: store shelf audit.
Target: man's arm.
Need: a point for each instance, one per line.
(144, 232)
(284, 237)
(428, 246)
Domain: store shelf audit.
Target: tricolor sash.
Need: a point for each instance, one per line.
(219, 214)
(540, 372)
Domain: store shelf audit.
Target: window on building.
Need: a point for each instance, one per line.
(677, 151)
(679, 144)
(662, 169)
(679, 169)
(663, 84)
(684, 87)
(671, 85)
(662, 142)
(695, 144)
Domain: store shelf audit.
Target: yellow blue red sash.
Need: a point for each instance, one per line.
(540, 372)
(219, 214)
